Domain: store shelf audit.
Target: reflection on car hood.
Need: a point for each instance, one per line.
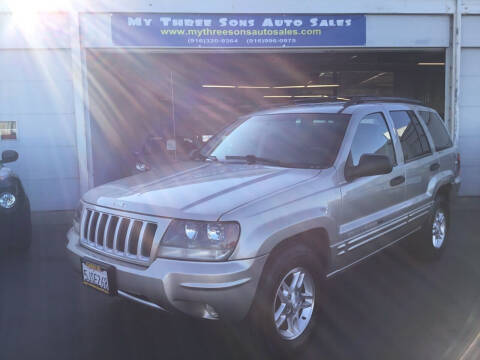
(195, 190)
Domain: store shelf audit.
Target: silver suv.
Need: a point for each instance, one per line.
(268, 209)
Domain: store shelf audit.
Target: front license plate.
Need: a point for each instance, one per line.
(99, 276)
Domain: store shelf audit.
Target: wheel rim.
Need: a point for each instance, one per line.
(439, 229)
(294, 303)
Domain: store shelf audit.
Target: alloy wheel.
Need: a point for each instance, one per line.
(294, 303)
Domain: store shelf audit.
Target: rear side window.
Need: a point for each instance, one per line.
(435, 125)
(372, 137)
(412, 137)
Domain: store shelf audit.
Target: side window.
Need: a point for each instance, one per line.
(437, 130)
(8, 130)
(372, 137)
(412, 137)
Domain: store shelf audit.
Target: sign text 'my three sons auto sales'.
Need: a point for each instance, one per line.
(237, 31)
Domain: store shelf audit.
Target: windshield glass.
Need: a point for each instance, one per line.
(297, 140)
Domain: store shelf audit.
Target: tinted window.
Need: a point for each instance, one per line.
(412, 137)
(439, 134)
(372, 137)
(302, 140)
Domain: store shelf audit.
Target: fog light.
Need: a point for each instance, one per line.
(7, 200)
(210, 313)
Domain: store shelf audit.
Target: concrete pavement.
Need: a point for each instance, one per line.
(390, 307)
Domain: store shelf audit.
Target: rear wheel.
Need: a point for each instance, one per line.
(288, 301)
(431, 241)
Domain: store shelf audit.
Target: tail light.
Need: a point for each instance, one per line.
(457, 165)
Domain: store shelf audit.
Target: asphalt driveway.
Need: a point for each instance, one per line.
(390, 307)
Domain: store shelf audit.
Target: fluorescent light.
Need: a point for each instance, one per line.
(431, 63)
(311, 96)
(277, 96)
(219, 86)
(322, 85)
(373, 77)
(253, 87)
(342, 98)
(289, 87)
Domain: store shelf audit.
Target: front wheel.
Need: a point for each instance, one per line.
(288, 299)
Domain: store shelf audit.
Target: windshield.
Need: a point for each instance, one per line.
(297, 140)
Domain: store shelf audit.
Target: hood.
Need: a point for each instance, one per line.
(195, 190)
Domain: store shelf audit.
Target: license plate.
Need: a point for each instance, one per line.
(98, 276)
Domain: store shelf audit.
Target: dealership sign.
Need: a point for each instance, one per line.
(237, 31)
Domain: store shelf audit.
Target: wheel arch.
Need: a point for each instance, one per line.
(317, 239)
(444, 190)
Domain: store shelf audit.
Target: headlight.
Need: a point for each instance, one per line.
(142, 167)
(77, 218)
(7, 200)
(198, 240)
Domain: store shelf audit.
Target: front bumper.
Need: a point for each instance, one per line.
(187, 286)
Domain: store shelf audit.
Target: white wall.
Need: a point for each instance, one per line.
(469, 128)
(36, 91)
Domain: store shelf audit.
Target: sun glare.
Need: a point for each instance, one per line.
(26, 13)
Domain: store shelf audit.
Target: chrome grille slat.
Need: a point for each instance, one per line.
(101, 231)
(115, 236)
(105, 233)
(127, 237)
(99, 220)
(139, 245)
(83, 223)
(89, 226)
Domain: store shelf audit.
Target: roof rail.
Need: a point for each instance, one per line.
(311, 100)
(365, 99)
(315, 100)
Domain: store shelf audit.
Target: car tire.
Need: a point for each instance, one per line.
(288, 331)
(430, 242)
(23, 239)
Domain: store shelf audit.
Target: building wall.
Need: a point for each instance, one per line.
(469, 127)
(39, 72)
(36, 92)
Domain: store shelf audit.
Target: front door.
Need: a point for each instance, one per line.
(371, 205)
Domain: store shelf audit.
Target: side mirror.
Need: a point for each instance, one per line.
(9, 156)
(369, 165)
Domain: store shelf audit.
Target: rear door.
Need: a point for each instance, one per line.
(420, 165)
(371, 206)
(442, 142)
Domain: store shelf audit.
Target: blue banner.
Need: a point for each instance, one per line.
(237, 31)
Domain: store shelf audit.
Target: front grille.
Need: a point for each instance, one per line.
(116, 235)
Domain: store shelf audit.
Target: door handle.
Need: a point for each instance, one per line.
(434, 166)
(397, 180)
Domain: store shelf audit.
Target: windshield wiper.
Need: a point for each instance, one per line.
(252, 159)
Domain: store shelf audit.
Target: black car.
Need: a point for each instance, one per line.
(15, 218)
(156, 152)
